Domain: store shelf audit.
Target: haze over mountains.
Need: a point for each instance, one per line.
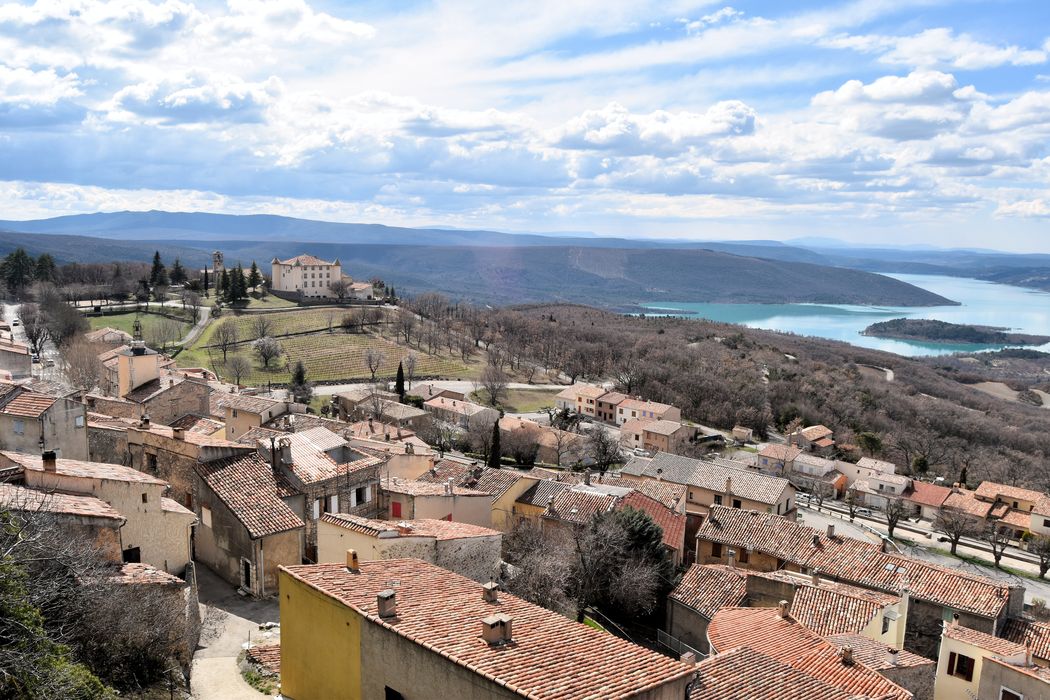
(499, 267)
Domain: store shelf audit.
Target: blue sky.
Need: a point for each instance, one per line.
(867, 120)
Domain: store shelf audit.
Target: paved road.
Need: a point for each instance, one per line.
(230, 621)
(455, 385)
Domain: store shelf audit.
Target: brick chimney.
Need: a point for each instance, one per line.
(353, 566)
(49, 461)
(783, 609)
(893, 656)
(386, 601)
(814, 577)
(846, 655)
(587, 477)
(688, 658)
(831, 530)
(490, 592)
(496, 629)
(178, 433)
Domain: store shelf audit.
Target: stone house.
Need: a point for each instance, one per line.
(164, 399)
(242, 412)
(305, 275)
(666, 436)
(777, 459)
(33, 422)
(83, 518)
(15, 359)
(631, 408)
(460, 413)
(504, 486)
(156, 529)
(815, 438)
(468, 550)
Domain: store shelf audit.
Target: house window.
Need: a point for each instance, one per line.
(332, 504)
(737, 503)
(881, 487)
(718, 499)
(716, 550)
(79, 421)
(743, 557)
(206, 516)
(151, 462)
(885, 624)
(145, 498)
(960, 666)
(1007, 694)
(391, 694)
(132, 555)
(20, 427)
(395, 509)
(362, 494)
(1046, 522)
(235, 413)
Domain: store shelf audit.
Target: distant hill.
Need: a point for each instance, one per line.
(942, 331)
(183, 226)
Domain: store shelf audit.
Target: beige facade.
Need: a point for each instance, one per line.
(15, 359)
(631, 409)
(305, 275)
(31, 423)
(412, 500)
(961, 662)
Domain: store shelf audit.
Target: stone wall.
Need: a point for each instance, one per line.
(477, 558)
(918, 679)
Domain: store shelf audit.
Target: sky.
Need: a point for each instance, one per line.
(873, 121)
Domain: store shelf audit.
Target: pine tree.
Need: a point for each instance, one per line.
(495, 450)
(206, 282)
(18, 268)
(240, 287)
(399, 381)
(45, 269)
(302, 391)
(158, 274)
(178, 272)
(222, 285)
(254, 278)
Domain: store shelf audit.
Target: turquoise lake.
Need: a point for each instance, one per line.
(983, 304)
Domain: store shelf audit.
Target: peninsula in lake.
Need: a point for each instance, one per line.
(941, 331)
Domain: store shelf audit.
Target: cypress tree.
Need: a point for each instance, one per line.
(178, 272)
(399, 382)
(222, 285)
(495, 450)
(158, 274)
(254, 278)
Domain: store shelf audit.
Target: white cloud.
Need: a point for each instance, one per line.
(939, 47)
(197, 97)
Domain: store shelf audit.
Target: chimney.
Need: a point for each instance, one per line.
(587, 477)
(831, 531)
(729, 485)
(783, 608)
(286, 450)
(688, 658)
(144, 421)
(490, 592)
(955, 619)
(731, 556)
(496, 629)
(846, 655)
(49, 461)
(386, 601)
(814, 577)
(352, 564)
(273, 453)
(893, 656)
(178, 433)
(449, 488)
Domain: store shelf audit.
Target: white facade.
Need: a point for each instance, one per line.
(305, 274)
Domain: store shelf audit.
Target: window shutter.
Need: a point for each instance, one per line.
(368, 494)
(335, 504)
(317, 508)
(353, 498)
(951, 663)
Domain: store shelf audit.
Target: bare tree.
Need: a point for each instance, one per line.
(852, 502)
(340, 288)
(374, 358)
(438, 434)
(543, 565)
(955, 525)
(262, 326)
(896, 510)
(479, 435)
(164, 333)
(603, 449)
(821, 490)
(351, 321)
(225, 336)
(238, 367)
(410, 367)
(376, 400)
(193, 301)
(626, 373)
(494, 381)
(81, 365)
(522, 444)
(406, 323)
(998, 538)
(268, 349)
(567, 447)
(1039, 545)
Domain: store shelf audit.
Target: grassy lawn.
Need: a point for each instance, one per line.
(269, 302)
(329, 357)
(126, 322)
(284, 323)
(520, 400)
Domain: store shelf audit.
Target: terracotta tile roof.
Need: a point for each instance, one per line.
(411, 487)
(925, 494)
(672, 523)
(747, 484)
(144, 574)
(193, 423)
(1020, 519)
(579, 506)
(589, 391)
(640, 405)
(545, 435)
(305, 259)
(542, 492)
(788, 641)
(828, 611)
(965, 502)
(877, 465)
(745, 674)
(709, 588)
(855, 561)
(28, 404)
(663, 427)
(612, 397)
(635, 426)
(20, 498)
(549, 658)
(824, 442)
(1021, 630)
(982, 640)
(16, 348)
(171, 506)
(84, 470)
(101, 333)
(568, 393)
(876, 655)
(246, 403)
(311, 461)
(671, 495)
(252, 492)
(267, 657)
(154, 388)
(991, 491)
(464, 408)
(441, 530)
(494, 482)
(816, 432)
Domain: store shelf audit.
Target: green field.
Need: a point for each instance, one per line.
(282, 323)
(328, 357)
(520, 400)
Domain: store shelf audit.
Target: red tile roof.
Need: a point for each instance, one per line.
(267, 657)
(982, 640)
(305, 259)
(965, 501)
(858, 562)
(788, 641)
(925, 494)
(670, 494)
(144, 574)
(20, 498)
(745, 674)
(1021, 630)
(549, 658)
(876, 655)
(708, 589)
(579, 506)
(1020, 519)
(672, 523)
(494, 482)
(425, 527)
(252, 492)
(826, 610)
(991, 491)
(84, 470)
(28, 405)
(780, 453)
(411, 487)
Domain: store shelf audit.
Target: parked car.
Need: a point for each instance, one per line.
(49, 362)
(864, 511)
(36, 358)
(16, 322)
